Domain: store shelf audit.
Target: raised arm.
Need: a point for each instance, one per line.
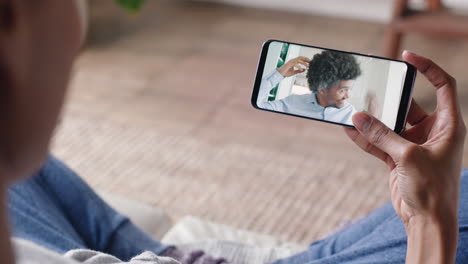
(290, 68)
(267, 84)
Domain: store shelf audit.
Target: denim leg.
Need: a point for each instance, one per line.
(462, 251)
(377, 238)
(35, 215)
(57, 209)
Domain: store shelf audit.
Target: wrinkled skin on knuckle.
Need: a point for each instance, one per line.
(451, 81)
(379, 135)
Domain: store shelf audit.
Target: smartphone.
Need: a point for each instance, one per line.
(331, 85)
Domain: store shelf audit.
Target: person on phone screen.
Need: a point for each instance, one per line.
(330, 77)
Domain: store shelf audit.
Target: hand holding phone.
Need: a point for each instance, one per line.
(424, 163)
(330, 85)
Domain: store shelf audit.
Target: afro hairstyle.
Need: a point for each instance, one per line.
(329, 67)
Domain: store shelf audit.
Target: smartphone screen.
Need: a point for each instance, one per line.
(331, 85)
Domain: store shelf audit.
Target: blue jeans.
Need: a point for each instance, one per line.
(377, 238)
(57, 210)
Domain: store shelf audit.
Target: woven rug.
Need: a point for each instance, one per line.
(159, 112)
(271, 192)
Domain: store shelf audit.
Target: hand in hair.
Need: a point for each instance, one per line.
(294, 66)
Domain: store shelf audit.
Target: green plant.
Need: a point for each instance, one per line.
(130, 5)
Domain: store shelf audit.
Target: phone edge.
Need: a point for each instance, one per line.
(407, 95)
(259, 73)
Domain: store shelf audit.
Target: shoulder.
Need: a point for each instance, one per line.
(349, 108)
(289, 102)
(303, 98)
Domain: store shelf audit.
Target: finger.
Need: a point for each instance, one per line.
(443, 82)
(305, 59)
(299, 69)
(416, 114)
(297, 72)
(436, 75)
(301, 64)
(379, 135)
(356, 137)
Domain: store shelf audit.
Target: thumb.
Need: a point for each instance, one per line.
(379, 135)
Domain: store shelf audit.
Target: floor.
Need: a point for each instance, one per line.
(159, 112)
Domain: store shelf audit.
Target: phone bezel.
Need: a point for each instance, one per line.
(406, 93)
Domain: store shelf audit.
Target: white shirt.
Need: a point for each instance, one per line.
(303, 105)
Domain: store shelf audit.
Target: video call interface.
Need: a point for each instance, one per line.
(330, 85)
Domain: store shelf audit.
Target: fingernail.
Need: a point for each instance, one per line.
(407, 52)
(362, 121)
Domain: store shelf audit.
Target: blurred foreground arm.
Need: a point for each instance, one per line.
(425, 165)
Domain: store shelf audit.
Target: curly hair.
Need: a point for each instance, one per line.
(329, 67)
